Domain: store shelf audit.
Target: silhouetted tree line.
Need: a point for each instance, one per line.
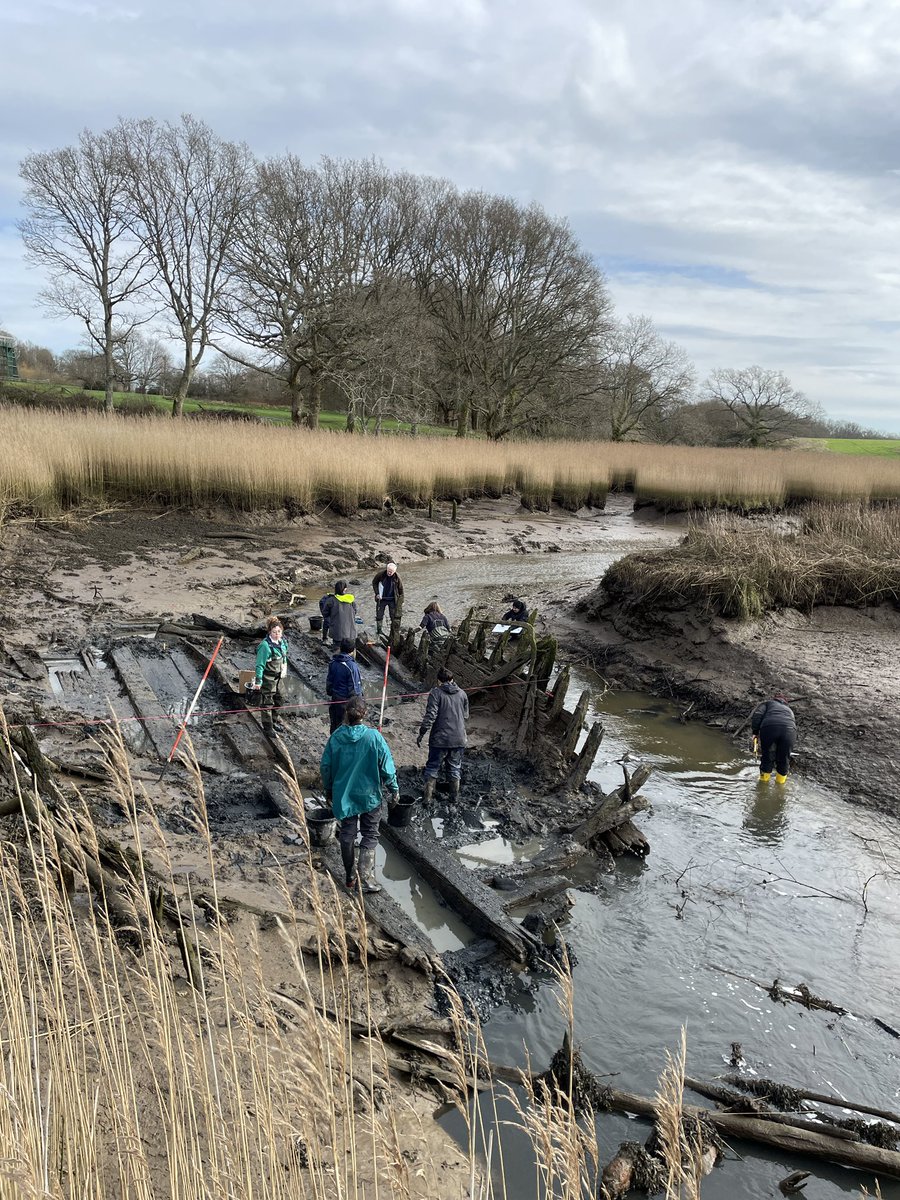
(350, 285)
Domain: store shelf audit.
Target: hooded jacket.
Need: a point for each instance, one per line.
(340, 613)
(773, 717)
(446, 714)
(343, 679)
(355, 766)
(379, 581)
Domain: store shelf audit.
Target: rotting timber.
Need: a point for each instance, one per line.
(512, 678)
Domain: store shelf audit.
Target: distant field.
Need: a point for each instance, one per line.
(276, 415)
(880, 448)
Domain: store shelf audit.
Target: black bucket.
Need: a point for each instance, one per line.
(321, 823)
(401, 814)
(315, 624)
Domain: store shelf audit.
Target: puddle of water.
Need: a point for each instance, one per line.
(418, 899)
(498, 851)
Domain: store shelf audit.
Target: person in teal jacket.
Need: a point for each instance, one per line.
(271, 671)
(355, 766)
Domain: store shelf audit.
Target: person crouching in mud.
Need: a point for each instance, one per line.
(271, 670)
(446, 713)
(340, 614)
(355, 766)
(773, 723)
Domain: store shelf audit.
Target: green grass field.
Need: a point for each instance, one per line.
(878, 447)
(273, 414)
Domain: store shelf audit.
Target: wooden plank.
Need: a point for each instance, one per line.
(382, 910)
(615, 808)
(242, 732)
(157, 724)
(478, 905)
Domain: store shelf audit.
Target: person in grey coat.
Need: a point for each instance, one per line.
(773, 724)
(340, 614)
(446, 713)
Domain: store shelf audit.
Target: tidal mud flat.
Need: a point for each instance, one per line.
(82, 592)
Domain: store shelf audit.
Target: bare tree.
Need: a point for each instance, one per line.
(314, 247)
(144, 362)
(643, 379)
(765, 407)
(517, 305)
(187, 188)
(77, 228)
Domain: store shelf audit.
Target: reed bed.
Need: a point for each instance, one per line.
(839, 554)
(50, 460)
(118, 1078)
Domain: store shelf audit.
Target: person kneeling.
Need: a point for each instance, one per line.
(355, 766)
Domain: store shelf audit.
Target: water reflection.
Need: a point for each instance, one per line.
(446, 930)
(765, 813)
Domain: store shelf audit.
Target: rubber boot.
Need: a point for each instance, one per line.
(367, 872)
(348, 858)
(428, 794)
(454, 791)
(780, 778)
(765, 776)
(379, 627)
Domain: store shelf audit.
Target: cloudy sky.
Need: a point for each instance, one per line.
(734, 167)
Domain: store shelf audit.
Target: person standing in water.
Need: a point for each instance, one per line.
(773, 723)
(356, 765)
(271, 671)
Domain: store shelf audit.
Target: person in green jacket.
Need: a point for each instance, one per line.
(355, 766)
(271, 670)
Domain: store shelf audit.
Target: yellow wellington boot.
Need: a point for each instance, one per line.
(765, 776)
(780, 778)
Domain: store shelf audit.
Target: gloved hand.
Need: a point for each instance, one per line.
(255, 685)
(393, 799)
(419, 739)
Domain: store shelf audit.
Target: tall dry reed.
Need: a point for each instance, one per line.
(52, 459)
(839, 554)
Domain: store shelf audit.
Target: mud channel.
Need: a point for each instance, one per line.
(742, 880)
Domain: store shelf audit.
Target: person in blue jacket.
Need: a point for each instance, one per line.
(342, 682)
(271, 671)
(356, 765)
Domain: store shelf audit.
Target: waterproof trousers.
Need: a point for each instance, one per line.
(271, 697)
(336, 710)
(364, 824)
(439, 754)
(775, 747)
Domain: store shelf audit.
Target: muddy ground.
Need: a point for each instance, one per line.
(80, 582)
(77, 587)
(838, 665)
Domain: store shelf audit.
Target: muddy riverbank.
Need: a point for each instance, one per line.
(839, 663)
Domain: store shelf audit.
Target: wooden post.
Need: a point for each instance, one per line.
(546, 657)
(499, 649)
(525, 728)
(555, 706)
(585, 759)
(576, 721)
(465, 627)
(479, 640)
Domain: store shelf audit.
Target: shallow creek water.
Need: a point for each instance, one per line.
(736, 881)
